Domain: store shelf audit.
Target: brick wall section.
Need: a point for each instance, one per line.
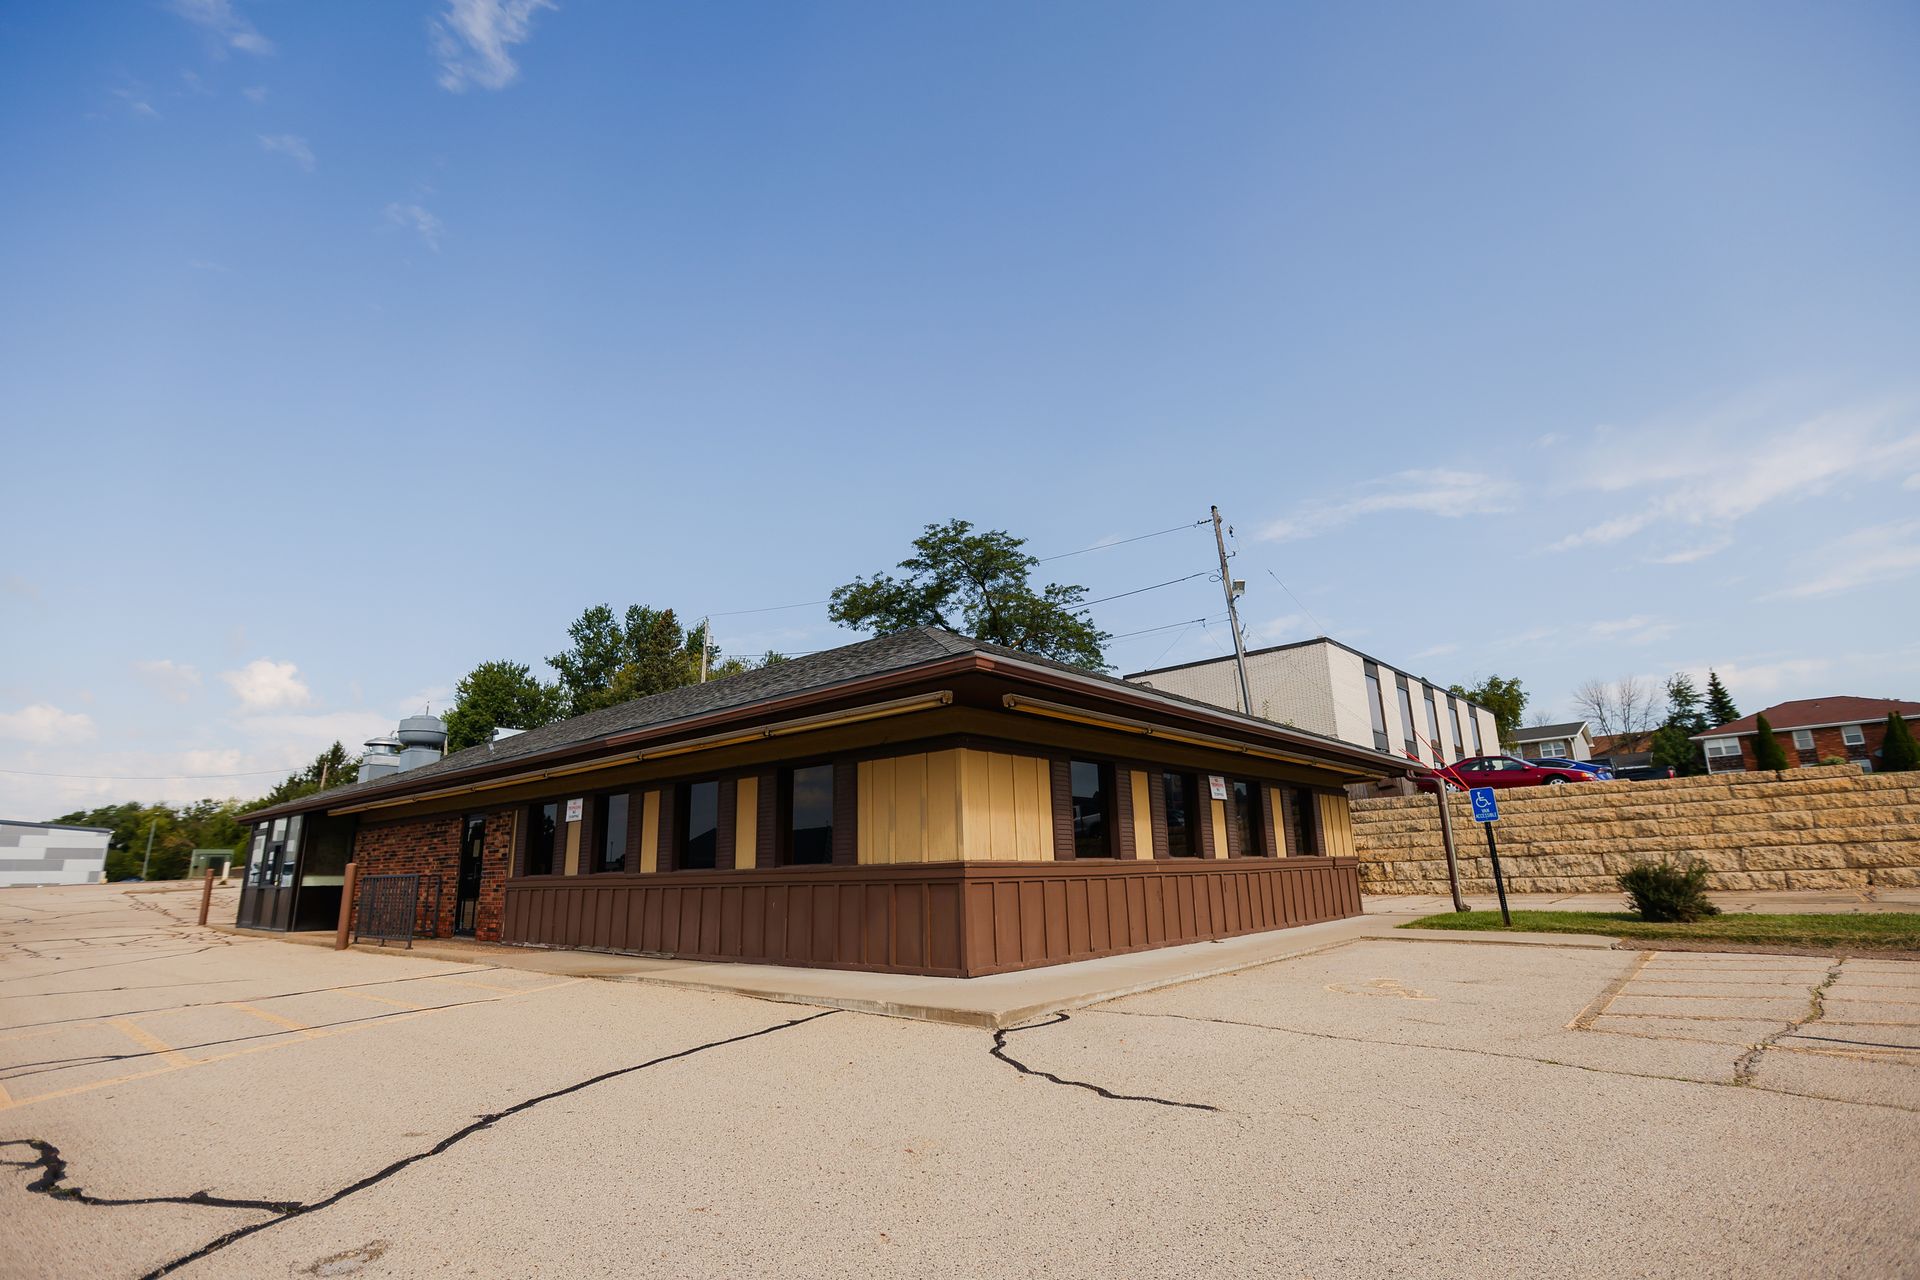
(1822, 828)
(1828, 744)
(430, 847)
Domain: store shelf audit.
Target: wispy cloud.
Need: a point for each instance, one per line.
(1436, 651)
(1863, 558)
(1717, 471)
(1639, 629)
(135, 101)
(290, 145)
(1688, 555)
(256, 93)
(227, 27)
(177, 681)
(265, 685)
(474, 39)
(417, 219)
(45, 723)
(1762, 679)
(1435, 492)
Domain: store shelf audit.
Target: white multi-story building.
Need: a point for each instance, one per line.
(50, 853)
(1329, 688)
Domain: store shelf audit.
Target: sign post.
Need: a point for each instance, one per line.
(1486, 812)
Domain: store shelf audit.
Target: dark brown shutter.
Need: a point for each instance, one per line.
(1123, 812)
(846, 813)
(558, 863)
(766, 851)
(1233, 824)
(1157, 810)
(636, 819)
(523, 821)
(727, 826)
(1060, 771)
(1203, 794)
(1283, 818)
(1314, 826)
(669, 857)
(589, 827)
(1269, 821)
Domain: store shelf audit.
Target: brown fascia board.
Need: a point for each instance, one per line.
(963, 664)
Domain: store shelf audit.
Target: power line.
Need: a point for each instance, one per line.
(772, 608)
(144, 777)
(1137, 590)
(1120, 542)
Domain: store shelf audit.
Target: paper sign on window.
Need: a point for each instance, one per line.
(574, 808)
(1217, 785)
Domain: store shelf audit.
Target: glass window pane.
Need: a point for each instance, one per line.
(541, 822)
(700, 826)
(1301, 802)
(613, 832)
(1406, 720)
(1433, 730)
(810, 815)
(1179, 790)
(1092, 829)
(1246, 815)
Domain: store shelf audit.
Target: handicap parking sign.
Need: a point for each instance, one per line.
(1485, 808)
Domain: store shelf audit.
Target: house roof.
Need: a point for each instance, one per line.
(898, 654)
(1542, 732)
(1817, 713)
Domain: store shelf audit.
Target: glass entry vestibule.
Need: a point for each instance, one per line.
(296, 868)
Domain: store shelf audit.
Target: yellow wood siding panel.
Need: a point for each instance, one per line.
(956, 804)
(943, 806)
(1142, 816)
(573, 845)
(910, 809)
(1336, 820)
(650, 832)
(1276, 817)
(746, 824)
(1003, 832)
(1219, 827)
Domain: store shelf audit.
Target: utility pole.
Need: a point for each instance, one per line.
(1233, 590)
(706, 639)
(1446, 838)
(146, 861)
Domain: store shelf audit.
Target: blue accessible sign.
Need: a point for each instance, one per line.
(1485, 808)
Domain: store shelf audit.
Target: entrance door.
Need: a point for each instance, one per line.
(466, 905)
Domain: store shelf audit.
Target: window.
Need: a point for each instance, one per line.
(610, 814)
(1433, 730)
(699, 826)
(542, 821)
(1246, 815)
(1803, 739)
(1181, 795)
(1854, 735)
(1723, 746)
(1473, 720)
(1406, 717)
(1376, 709)
(1459, 743)
(806, 800)
(1300, 804)
(1092, 784)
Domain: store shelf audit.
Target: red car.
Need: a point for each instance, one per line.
(1501, 771)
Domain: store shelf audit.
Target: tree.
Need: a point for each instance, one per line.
(496, 695)
(976, 584)
(1767, 752)
(1628, 707)
(331, 768)
(1501, 695)
(177, 832)
(1899, 754)
(615, 660)
(1673, 745)
(1720, 708)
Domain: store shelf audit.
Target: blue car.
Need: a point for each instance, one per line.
(1600, 772)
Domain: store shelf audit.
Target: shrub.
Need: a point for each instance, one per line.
(1767, 751)
(1665, 890)
(1899, 754)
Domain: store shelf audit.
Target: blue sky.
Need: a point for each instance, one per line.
(345, 345)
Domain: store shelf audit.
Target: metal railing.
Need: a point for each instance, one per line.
(389, 909)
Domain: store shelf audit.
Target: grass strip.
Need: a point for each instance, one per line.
(1865, 931)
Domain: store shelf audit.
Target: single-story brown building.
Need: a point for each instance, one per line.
(918, 803)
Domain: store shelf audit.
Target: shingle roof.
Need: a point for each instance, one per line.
(1806, 712)
(1541, 732)
(899, 651)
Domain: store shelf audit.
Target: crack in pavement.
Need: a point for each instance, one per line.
(47, 1183)
(53, 1172)
(999, 1051)
(1749, 1062)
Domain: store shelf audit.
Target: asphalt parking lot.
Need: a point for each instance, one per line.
(178, 1101)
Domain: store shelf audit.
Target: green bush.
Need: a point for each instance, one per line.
(1662, 891)
(1767, 751)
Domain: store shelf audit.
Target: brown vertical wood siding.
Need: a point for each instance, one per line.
(950, 919)
(1060, 778)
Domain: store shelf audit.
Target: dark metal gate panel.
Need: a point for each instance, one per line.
(390, 907)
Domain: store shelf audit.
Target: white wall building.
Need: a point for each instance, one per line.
(1326, 687)
(34, 853)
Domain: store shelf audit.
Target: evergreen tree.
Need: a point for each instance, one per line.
(1673, 747)
(1720, 708)
(1767, 751)
(1900, 754)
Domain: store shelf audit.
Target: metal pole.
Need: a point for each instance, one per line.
(705, 640)
(146, 861)
(206, 896)
(1446, 839)
(1233, 615)
(346, 907)
(1499, 885)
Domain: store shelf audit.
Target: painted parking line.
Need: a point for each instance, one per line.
(386, 1000)
(285, 1024)
(150, 1042)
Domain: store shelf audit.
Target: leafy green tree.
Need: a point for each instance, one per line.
(1673, 747)
(1899, 754)
(331, 768)
(616, 659)
(976, 584)
(177, 832)
(1767, 751)
(497, 695)
(1720, 708)
(1501, 695)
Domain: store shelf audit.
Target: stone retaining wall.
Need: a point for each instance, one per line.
(1823, 828)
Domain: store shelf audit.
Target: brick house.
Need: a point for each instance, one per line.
(917, 803)
(1809, 730)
